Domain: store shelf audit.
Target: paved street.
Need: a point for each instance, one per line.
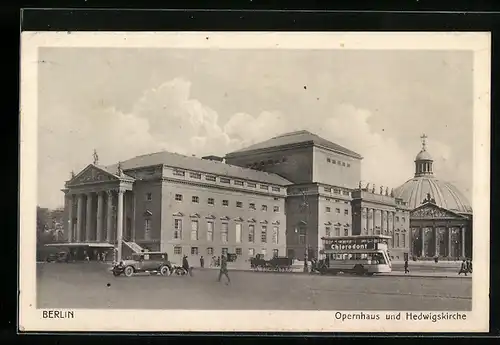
(91, 285)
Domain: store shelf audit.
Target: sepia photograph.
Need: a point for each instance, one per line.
(254, 181)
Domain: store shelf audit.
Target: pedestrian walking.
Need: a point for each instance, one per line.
(463, 268)
(223, 269)
(469, 265)
(218, 261)
(202, 262)
(185, 265)
(406, 267)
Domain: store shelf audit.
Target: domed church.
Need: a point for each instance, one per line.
(440, 216)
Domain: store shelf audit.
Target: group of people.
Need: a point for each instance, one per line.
(221, 262)
(465, 267)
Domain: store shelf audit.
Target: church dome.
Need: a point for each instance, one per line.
(425, 187)
(423, 156)
(445, 194)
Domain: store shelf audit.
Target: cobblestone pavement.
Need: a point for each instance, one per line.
(91, 285)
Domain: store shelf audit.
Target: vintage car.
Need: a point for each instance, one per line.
(58, 257)
(145, 262)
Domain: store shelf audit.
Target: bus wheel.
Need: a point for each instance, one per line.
(359, 270)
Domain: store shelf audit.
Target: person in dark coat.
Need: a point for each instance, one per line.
(223, 269)
(406, 267)
(185, 265)
(202, 262)
(463, 268)
(469, 265)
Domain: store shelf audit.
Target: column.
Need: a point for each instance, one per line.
(79, 218)
(462, 232)
(374, 223)
(367, 211)
(133, 216)
(393, 218)
(100, 214)
(448, 231)
(119, 225)
(70, 218)
(109, 218)
(88, 224)
(436, 240)
(422, 239)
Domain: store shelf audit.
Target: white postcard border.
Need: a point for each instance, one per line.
(30, 319)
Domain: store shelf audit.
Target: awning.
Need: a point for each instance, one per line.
(81, 244)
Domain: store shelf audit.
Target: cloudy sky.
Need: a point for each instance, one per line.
(125, 102)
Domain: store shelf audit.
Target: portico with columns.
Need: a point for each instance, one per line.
(95, 204)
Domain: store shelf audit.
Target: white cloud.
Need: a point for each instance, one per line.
(166, 118)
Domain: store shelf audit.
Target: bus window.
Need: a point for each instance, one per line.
(379, 259)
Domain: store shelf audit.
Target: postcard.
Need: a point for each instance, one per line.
(254, 181)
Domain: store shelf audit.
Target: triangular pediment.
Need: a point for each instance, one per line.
(195, 215)
(239, 219)
(210, 216)
(92, 174)
(432, 211)
(224, 218)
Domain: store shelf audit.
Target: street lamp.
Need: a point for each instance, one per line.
(305, 209)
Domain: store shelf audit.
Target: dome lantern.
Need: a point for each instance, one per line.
(423, 161)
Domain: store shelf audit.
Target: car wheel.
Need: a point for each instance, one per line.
(129, 271)
(164, 271)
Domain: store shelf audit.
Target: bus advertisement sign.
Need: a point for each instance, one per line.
(349, 244)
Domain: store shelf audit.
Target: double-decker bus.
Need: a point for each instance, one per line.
(361, 255)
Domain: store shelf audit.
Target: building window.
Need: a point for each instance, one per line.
(403, 219)
(195, 175)
(224, 251)
(328, 231)
(264, 208)
(210, 231)
(345, 192)
(177, 250)
(194, 230)
(194, 250)
(276, 199)
(346, 212)
(397, 244)
(263, 234)
(178, 197)
(276, 209)
(337, 210)
(346, 232)
(334, 161)
(195, 199)
(238, 232)
(403, 240)
(225, 202)
(251, 185)
(177, 229)
(348, 165)
(211, 201)
(397, 218)
(302, 235)
(327, 189)
(210, 178)
(225, 180)
(224, 232)
(179, 173)
(276, 189)
(263, 251)
(251, 252)
(337, 232)
(251, 233)
(275, 234)
(328, 209)
(149, 196)
(210, 251)
(147, 229)
(328, 160)
(252, 206)
(238, 183)
(275, 253)
(343, 164)
(263, 186)
(239, 251)
(239, 204)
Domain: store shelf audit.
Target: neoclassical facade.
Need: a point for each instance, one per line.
(278, 197)
(440, 217)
